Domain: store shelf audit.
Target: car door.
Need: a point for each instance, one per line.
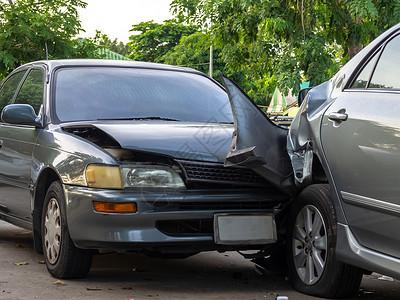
(17, 146)
(360, 135)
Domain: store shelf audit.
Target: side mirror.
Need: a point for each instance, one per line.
(302, 94)
(22, 114)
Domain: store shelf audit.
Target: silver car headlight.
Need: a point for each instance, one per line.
(151, 177)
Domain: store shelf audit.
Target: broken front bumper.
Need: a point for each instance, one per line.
(164, 219)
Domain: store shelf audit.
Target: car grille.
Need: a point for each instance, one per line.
(201, 227)
(190, 206)
(217, 173)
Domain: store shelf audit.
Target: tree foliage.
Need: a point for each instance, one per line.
(101, 39)
(27, 25)
(151, 40)
(194, 51)
(289, 39)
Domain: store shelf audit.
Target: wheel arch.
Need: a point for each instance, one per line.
(45, 179)
(321, 173)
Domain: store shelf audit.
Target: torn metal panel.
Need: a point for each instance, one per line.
(302, 160)
(257, 142)
(303, 138)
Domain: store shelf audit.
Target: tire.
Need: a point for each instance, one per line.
(63, 259)
(312, 264)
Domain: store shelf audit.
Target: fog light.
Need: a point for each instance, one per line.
(115, 208)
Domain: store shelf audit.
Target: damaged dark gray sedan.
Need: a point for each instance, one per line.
(104, 155)
(101, 156)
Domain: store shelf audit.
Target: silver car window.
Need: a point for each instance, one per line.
(363, 78)
(386, 75)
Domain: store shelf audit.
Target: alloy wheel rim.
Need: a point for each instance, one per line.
(309, 245)
(52, 231)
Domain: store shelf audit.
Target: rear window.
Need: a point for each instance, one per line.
(108, 93)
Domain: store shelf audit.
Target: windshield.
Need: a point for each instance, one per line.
(111, 93)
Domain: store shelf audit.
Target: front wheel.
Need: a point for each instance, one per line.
(63, 258)
(311, 241)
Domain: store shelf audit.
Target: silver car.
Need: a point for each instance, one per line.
(340, 162)
(104, 155)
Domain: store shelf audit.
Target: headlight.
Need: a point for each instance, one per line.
(151, 177)
(104, 177)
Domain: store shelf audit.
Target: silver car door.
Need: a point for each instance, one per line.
(360, 135)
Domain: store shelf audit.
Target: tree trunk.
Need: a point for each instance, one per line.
(354, 48)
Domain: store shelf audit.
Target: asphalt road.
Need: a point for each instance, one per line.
(135, 276)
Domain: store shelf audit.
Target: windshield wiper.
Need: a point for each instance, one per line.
(154, 118)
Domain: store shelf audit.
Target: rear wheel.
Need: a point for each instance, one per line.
(63, 258)
(312, 264)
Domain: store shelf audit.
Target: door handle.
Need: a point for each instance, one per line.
(338, 116)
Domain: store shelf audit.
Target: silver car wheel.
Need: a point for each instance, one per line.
(309, 245)
(52, 231)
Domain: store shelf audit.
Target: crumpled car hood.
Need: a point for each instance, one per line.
(183, 140)
(283, 157)
(257, 142)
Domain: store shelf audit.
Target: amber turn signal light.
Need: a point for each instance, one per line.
(115, 208)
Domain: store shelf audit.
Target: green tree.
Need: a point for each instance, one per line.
(194, 51)
(81, 48)
(290, 39)
(101, 39)
(27, 25)
(154, 40)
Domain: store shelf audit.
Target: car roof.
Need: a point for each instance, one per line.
(52, 64)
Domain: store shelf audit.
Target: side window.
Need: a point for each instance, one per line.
(387, 75)
(363, 78)
(32, 90)
(9, 88)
